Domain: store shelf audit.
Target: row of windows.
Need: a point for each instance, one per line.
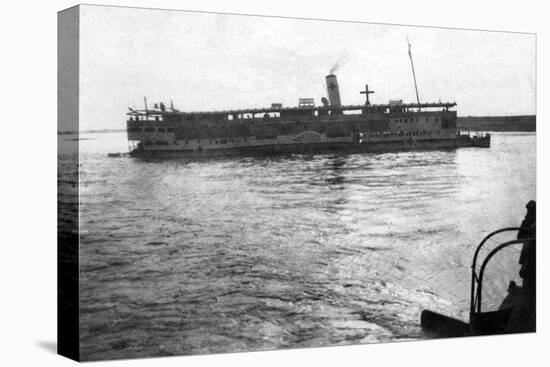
(220, 141)
(372, 135)
(400, 133)
(144, 118)
(277, 115)
(231, 117)
(211, 142)
(412, 119)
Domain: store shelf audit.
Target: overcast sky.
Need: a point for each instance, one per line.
(212, 62)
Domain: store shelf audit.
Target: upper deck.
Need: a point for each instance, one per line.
(313, 112)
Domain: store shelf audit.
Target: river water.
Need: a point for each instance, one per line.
(224, 255)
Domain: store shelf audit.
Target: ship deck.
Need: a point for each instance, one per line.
(372, 107)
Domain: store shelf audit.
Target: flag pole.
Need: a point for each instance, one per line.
(414, 75)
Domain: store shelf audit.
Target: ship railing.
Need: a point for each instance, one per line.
(477, 276)
(153, 112)
(445, 105)
(494, 321)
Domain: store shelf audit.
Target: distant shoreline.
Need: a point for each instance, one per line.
(92, 131)
(498, 123)
(475, 123)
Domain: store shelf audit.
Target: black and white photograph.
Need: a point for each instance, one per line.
(236, 183)
(243, 183)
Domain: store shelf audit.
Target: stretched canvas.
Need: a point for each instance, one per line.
(232, 183)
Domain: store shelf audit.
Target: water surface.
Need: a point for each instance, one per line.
(184, 257)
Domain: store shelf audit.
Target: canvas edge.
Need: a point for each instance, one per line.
(68, 37)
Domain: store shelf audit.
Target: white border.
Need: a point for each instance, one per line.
(28, 151)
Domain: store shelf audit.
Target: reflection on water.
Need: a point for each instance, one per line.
(183, 256)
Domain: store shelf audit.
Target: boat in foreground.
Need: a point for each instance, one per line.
(516, 313)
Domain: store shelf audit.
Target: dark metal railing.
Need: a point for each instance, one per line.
(474, 274)
(402, 107)
(477, 280)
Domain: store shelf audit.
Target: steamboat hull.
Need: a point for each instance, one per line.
(320, 148)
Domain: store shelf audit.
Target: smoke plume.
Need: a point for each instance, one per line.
(342, 58)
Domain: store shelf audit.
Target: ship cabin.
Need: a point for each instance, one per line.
(159, 129)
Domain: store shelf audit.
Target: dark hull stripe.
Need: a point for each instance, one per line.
(317, 148)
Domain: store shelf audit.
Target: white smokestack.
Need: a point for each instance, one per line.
(333, 91)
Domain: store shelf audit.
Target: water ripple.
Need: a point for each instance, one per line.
(183, 257)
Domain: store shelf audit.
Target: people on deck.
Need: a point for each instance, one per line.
(527, 258)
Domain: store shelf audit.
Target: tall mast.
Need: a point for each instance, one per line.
(414, 75)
